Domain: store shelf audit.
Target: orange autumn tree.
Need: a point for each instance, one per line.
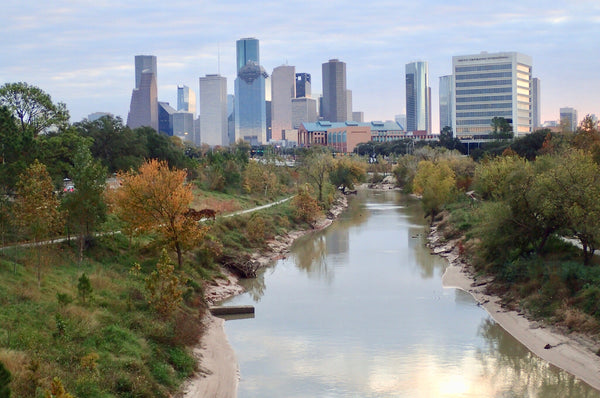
(155, 199)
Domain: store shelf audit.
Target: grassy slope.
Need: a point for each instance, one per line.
(113, 344)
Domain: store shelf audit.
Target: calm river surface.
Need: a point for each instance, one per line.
(358, 310)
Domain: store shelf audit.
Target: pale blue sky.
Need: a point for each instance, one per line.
(82, 52)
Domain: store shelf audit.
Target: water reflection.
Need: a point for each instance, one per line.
(521, 373)
(359, 310)
(310, 257)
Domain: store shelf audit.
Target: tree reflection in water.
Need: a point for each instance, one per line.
(519, 373)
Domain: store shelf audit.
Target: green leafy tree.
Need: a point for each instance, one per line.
(117, 146)
(85, 206)
(33, 108)
(501, 129)
(57, 150)
(13, 160)
(84, 287)
(260, 178)
(574, 185)
(164, 287)
(448, 141)
(316, 166)
(5, 378)
(36, 207)
(436, 184)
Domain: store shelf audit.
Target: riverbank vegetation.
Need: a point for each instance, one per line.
(110, 234)
(529, 217)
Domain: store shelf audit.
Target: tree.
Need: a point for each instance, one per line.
(435, 182)
(587, 137)
(316, 166)
(157, 199)
(448, 141)
(33, 108)
(164, 287)
(36, 206)
(84, 287)
(346, 172)
(574, 183)
(116, 145)
(85, 205)
(501, 128)
(260, 178)
(306, 208)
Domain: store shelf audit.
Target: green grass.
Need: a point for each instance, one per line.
(47, 327)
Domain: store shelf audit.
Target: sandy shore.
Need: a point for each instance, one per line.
(573, 353)
(218, 374)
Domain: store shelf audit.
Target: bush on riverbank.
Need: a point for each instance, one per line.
(553, 285)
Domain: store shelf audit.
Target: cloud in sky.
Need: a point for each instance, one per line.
(81, 52)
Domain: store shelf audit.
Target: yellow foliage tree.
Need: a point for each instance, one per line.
(156, 199)
(436, 183)
(306, 208)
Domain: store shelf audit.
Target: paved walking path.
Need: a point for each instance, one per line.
(59, 240)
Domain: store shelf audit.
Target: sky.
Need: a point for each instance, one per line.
(81, 52)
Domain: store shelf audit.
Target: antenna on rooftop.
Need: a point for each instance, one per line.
(219, 58)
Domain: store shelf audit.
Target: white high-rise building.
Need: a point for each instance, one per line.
(213, 110)
(492, 85)
(283, 89)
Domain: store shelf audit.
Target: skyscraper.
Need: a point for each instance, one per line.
(186, 99)
(418, 98)
(303, 85)
(568, 118)
(143, 109)
(250, 106)
(304, 110)
(183, 126)
(488, 86)
(446, 105)
(283, 89)
(213, 110)
(335, 96)
(142, 63)
(535, 102)
(165, 118)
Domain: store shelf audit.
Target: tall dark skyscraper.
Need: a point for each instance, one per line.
(303, 85)
(143, 110)
(335, 108)
(418, 97)
(250, 106)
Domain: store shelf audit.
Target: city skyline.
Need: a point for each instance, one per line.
(82, 55)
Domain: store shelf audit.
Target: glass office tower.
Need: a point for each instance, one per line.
(250, 106)
(418, 101)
